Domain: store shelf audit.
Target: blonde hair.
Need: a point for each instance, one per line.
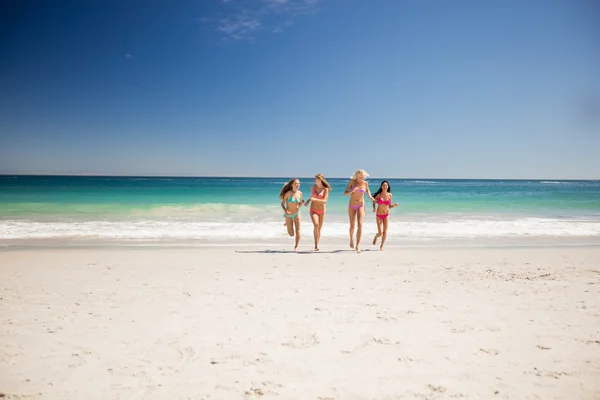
(359, 172)
(287, 187)
(323, 181)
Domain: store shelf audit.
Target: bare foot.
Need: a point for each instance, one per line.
(295, 248)
(316, 249)
(352, 243)
(357, 249)
(381, 248)
(375, 239)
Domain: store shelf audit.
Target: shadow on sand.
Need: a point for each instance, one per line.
(298, 252)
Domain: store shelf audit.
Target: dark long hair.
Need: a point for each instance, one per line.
(380, 190)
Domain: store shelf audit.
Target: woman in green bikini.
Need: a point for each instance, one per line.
(291, 201)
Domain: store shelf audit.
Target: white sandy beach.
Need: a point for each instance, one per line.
(246, 323)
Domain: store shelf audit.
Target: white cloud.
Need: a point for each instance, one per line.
(245, 19)
(239, 27)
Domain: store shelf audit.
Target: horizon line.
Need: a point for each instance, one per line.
(84, 175)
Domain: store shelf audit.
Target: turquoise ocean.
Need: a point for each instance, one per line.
(245, 210)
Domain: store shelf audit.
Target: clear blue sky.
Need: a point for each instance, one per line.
(420, 88)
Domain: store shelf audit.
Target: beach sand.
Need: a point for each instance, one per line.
(249, 323)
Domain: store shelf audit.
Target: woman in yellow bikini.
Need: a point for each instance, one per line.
(318, 198)
(383, 198)
(291, 201)
(356, 189)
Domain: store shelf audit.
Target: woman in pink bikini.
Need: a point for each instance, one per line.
(356, 189)
(383, 198)
(291, 201)
(319, 195)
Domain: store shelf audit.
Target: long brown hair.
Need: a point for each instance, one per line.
(286, 188)
(323, 181)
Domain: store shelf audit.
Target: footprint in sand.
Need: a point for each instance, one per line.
(385, 317)
(253, 393)
(266, 387)
(382, 341)
(549, 374)
(187, 353)
(256, 361)
(438, 389)
(302, 341)
(490, 351)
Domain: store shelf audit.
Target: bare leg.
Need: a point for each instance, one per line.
(360, 216)
(316, 229)
(297, 224)
(385, 226)
(352, 216)
(289, 223)
(321, 220)
(378, 234)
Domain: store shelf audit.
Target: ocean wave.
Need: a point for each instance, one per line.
(420, 182)
(219, 210)
(257, 230)
(197, 210)
(553, 183)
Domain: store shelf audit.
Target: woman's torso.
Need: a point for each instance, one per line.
(358, 196)
(383, 202)
(318, 193)
(293, 201)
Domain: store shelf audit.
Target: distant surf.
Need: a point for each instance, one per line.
(233, 209)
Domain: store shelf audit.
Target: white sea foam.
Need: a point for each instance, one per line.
(259, 230)
(217, 210)
(420, 182)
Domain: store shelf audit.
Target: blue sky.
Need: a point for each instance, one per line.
(438, 89)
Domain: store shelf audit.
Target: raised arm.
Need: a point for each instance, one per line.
(349, 190)
(324, 199)
(285, 197)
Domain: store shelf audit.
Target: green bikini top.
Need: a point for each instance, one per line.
(292, 200)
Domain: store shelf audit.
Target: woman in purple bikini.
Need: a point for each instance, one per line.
(356, 189)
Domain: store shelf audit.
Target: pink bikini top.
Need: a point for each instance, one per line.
(386, 202)
(320, 195)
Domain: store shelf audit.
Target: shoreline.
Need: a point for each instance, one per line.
(306, 243)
